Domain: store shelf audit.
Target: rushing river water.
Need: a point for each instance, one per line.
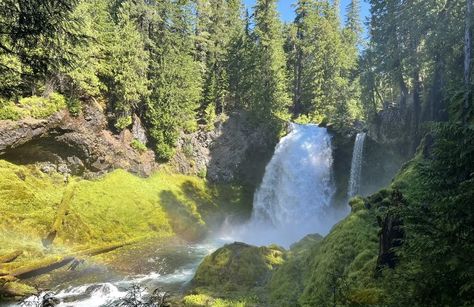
(167, 269)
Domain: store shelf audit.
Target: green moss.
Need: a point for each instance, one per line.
(237, 270)
(117, 208)
(287, 283)
(198, 300)
(357, 203)
(16, 289)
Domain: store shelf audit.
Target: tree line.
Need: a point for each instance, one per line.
(178, 64)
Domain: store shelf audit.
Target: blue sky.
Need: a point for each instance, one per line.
(287, 11)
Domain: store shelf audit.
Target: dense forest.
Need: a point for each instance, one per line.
(177, 65)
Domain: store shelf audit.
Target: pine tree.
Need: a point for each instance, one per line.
(218, 25)
(174, 75)
(269, 99)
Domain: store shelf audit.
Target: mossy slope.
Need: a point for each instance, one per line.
(117, 208)
(339, 267)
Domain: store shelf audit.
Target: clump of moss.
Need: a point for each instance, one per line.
(237, 269)
(287, 282)
(198, 300)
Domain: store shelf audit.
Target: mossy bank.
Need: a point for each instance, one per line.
(48, 216)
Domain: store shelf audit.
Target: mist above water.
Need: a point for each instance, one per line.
(294, 198)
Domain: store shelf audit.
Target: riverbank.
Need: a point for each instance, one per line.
(50, 221)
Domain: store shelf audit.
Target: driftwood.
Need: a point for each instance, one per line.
(10, 257)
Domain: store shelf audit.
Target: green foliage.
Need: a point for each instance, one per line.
(137, 145)
(202, 173)
(198, 300)
(34, 106)
(337, 269)
(218, 25)
(34, 41)
(322, 64)
(123, 122)
(436, 255)
(288, 282)
(268, 96)
(74, 106)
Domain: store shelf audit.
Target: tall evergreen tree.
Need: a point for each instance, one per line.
(269, 99)
(174, 75)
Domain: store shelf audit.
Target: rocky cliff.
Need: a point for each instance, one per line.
(79, 145)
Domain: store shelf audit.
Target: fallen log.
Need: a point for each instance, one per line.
(40, 268)
(49, 265)
(10, 256)
(102, 250)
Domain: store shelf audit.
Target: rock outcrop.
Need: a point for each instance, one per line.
(79, 145)
(235, 150)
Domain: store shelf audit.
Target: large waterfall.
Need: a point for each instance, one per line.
(356, 165)
(294, 198)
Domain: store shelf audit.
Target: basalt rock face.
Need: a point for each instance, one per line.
(79, 145)
(235, 150)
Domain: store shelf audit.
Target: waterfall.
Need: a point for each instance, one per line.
(294, 198)
(356, 165)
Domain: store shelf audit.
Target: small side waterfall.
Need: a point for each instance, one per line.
(356, 165)
(294, 198)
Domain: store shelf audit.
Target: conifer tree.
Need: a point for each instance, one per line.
(269, 99)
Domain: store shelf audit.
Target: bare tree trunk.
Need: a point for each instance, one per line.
(467, 62)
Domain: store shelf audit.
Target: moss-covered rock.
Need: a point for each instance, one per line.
(202, 300)
(237, 270)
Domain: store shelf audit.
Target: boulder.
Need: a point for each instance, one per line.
(237, 268)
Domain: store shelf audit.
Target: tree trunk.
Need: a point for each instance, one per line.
(467, 62)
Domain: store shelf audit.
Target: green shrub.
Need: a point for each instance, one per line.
(139, 146)
(123, 122)
(74, 106)
(8, 110)
(188, 150)
(34, 106)
(41, 107)
(202, 172)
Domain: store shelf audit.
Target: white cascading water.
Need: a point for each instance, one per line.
(294, 198)
(356, 165)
